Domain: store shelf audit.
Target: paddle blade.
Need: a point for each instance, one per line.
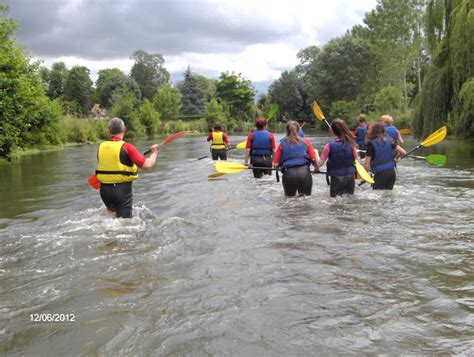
(363, 173)
(175, 136)
(229, 167)
(437, 160)
(405, 131)
(436, 137)
(215, 175)
(241, 145)
(272, 111)
(94, 182)
(317, 111)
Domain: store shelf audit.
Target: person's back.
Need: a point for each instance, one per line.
(219, 143)
(260, 148)
(340, 155)
(294, 155)
(117, 168)
(391, 129)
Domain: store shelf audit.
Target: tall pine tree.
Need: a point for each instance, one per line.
(192, 95)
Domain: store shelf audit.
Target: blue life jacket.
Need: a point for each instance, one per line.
(361, 130)
(261, 143)
(341, 159)
(392, 132)
(383, 156)
(301, 133)
(293, 154)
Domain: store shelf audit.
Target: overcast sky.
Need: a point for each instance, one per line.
(259, 39)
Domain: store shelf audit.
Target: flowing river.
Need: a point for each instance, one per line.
(231, 266)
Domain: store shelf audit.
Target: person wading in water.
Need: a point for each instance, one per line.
(380, 158)
(340, 155)
(118, 168)
(220, 143)
(294, 156)
(260, 147)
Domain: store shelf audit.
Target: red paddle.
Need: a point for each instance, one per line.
(94, 181)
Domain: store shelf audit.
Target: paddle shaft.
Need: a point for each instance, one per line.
(203, 157)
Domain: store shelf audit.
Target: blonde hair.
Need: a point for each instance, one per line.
(386, 119)
(292, 132)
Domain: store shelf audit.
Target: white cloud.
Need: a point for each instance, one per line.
(259, 39)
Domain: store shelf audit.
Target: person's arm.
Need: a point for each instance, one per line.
(401, 150)
(226, 140)
(248, 147)
(370, 153)
(400, 139)
(209, 137)
(276, 159)
(324, 156)
(150, 161)
(246, 157)
(272, 144)
(310, 151)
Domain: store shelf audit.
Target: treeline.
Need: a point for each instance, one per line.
(413, 59)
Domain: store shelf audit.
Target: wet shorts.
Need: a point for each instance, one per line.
(297, 178)
(384, 180)
(219, 154)
(118, 198)
(261, 161)
(342, 184)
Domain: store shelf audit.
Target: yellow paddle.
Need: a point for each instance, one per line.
(360, 169)
(433, 139)
(405, 131)
(318, 113)
(226, 167)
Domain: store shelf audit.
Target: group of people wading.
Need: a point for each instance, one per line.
(119, 161)
(378, 142)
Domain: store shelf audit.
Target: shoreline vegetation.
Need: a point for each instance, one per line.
(74, 131)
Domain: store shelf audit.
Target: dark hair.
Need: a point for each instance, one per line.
(116, 126)
(260, 123)
(292, 132)
(217, 126)
(340, 129)
(376, 131)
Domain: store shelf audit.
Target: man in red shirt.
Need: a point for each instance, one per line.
(118, 168)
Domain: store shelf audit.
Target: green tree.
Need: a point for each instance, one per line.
(291, 95)
(215, 113)
(388, 99)
(238, 93)
(109, 83)
(125, 108)
(447, 87)
(149, 72)
(149, 118)
(167, 102)
(78, 88)
(346, 110)
(57, 80)
(24, 108)
(192, 95)
(207, 85)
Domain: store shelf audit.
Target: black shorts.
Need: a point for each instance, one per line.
(342, 184)
(261, 161)
(297, 178)
(219, 154)
(118, 198)
(385, 180)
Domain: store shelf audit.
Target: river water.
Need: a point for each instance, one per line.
(231, 266)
